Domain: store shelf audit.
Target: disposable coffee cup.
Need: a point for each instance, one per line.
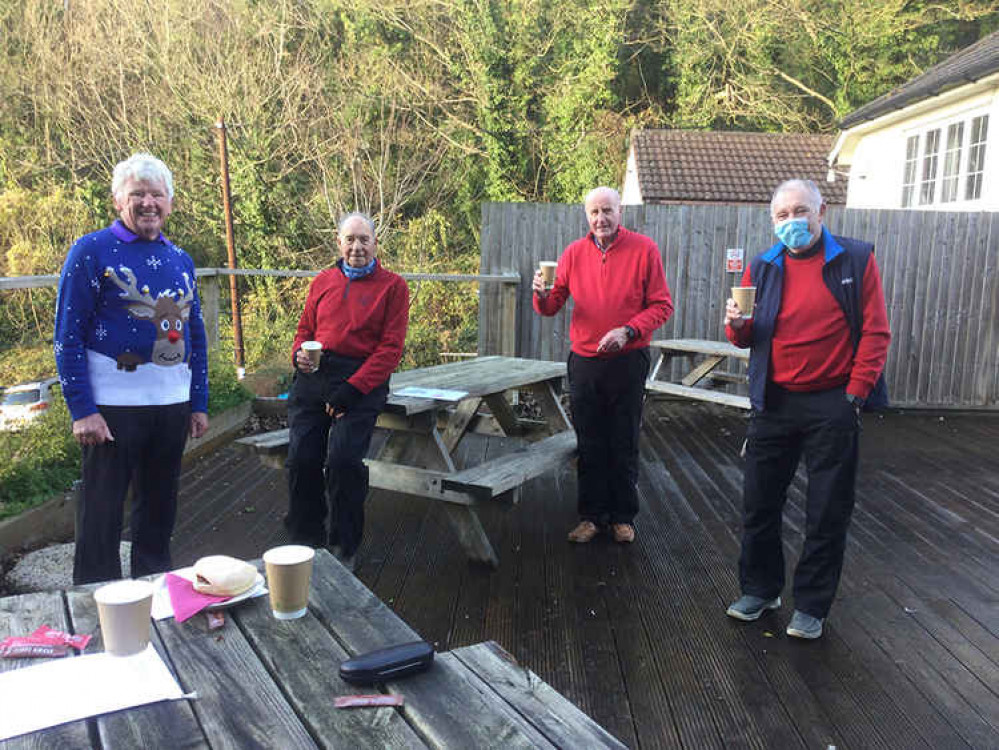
(124, 608)
(315, 351)
(745, 298)
(548, 272)
(289, 571)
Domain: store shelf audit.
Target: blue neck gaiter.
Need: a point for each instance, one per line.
(357, 273)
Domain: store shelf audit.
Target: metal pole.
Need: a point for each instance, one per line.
(237, 319)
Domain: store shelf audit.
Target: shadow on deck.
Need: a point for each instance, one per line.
(636, 635)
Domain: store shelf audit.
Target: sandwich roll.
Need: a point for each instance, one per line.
(221, 575)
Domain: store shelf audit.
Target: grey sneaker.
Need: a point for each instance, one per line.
(748, 607)
(804, 626)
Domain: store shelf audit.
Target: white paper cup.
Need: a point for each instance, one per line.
(745, 298)
(315, 351)
(548, 268)
(124, 609)
(289, 572)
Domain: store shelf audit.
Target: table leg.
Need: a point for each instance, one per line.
(503, 413)
(550, 406)
(463, 518)
(699, 372)
(457, 424)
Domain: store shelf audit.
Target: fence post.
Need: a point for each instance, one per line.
(208, 291)
(508, 319)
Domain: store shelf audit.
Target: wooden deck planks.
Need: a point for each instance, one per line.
(636, 635)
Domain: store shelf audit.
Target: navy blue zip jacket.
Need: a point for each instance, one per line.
(843, 272)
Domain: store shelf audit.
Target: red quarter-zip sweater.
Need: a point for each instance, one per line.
(365, 319)
(626, 285)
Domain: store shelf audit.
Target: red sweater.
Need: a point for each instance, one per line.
(626, 285)
(365, 319)
(812, 349)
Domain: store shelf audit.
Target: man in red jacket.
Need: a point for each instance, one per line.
(819, 338)
(359, 312)
(618, 285)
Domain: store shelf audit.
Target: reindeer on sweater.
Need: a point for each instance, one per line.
(169, 315)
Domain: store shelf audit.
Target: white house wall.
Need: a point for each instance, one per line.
(632, 194)
(876, 157)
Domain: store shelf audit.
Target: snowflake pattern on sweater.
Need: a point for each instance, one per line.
(128, 329)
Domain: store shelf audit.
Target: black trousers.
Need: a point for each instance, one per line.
(607, 396)
(825, 428)
(148, 445)
(326, 457)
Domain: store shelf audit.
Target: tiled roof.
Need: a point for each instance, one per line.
(968, 65)
(729, 167)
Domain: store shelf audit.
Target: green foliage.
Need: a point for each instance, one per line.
(225, 390)
(442, 316)
(42, 459)
(26, 362)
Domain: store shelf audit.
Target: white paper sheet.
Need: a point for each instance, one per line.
(52, 693)
(438, 394)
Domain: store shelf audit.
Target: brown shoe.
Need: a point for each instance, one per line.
(583, 533)
(624, 533)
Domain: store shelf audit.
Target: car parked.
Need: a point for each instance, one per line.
(20, 404)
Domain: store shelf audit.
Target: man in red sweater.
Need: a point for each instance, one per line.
(359, 312)
(618, 285)
(819, 336)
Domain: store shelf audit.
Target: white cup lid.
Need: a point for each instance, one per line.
(123, 592)
(289, 554)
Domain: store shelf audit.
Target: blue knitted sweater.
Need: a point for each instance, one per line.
(128, 324)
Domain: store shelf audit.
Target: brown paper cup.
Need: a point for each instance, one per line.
(124, 608)
(289, 571)
(548, 268)
(315, 351)
(745, 298)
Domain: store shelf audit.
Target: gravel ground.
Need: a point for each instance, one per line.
(48, 569)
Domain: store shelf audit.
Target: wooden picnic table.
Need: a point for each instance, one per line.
(424, 434)
(265, 683)
(705, 356)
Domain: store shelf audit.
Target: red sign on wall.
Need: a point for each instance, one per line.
(733, 259)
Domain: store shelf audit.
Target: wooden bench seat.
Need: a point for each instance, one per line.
(504, 473)
(700, 394)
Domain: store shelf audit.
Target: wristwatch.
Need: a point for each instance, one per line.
(855, 401)
(632, 333)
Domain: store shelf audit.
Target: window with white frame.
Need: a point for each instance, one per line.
(976, 157)
(909, 174)
(945, 164)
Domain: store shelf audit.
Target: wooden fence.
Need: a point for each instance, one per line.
(939, 272)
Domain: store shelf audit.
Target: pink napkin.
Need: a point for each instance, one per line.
(187, 602)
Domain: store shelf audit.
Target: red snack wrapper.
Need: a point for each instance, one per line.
(51, 635)
(16, 648)
(365, 701)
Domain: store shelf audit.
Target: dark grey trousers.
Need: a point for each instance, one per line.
(607, 396)
(824, 428)
(147, 448)
(326, 458)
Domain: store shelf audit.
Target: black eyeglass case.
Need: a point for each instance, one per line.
(388, 664)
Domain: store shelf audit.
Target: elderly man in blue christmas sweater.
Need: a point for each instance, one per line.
(131, 351)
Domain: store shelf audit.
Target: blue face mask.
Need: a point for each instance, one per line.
(794, 233)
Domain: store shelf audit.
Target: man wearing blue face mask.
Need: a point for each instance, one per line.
(819, 338)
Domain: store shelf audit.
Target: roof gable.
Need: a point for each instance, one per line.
(729, 167)
(967, 66)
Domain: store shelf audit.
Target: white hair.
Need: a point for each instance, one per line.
(807, 186)
(602, 189)
(141, 166)
(355, 215)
